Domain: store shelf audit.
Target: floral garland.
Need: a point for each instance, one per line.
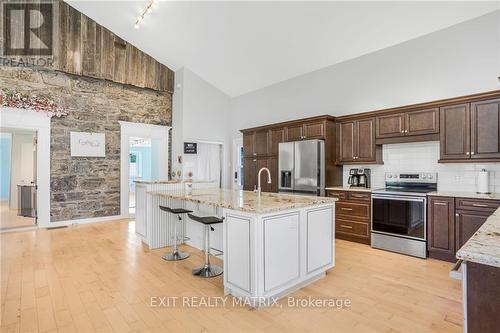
(15, 99)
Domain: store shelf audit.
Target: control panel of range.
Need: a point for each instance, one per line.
(411, 177)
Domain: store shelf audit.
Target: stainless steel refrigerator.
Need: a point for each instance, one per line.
(302, 167)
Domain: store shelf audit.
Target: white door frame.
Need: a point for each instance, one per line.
(39, 122)
(127, 130)
(237, 143)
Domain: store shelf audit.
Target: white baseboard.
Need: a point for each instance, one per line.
(85, 221)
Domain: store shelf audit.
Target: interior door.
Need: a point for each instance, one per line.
(485, 129)
(455, 132)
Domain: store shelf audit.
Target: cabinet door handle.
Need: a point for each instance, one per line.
(480, 205)
(358, 196)
(406, 131)
(346, 209)
(472, 153)
(346, 226)
(467, 153)
(440, 203)
(457, 215)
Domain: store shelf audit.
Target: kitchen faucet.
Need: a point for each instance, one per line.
(259, 189)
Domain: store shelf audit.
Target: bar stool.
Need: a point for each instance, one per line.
(175, 254)
(208, 270)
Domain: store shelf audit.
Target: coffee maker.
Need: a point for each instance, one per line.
(359, 178)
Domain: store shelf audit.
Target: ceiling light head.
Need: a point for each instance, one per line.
(140, 18)
(150, 10)
(136, 25)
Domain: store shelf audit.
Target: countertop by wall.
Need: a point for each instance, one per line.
(484, 246)
(472, 195)
(348, 188)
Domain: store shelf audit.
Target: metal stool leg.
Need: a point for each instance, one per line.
(208, 270)
(176, 254)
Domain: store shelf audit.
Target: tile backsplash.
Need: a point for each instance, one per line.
(424, 156)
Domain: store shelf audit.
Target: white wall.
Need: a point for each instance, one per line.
(22, 164)
(459, 60)
(423, 156)
(201, 112)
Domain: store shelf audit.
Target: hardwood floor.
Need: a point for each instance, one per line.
(99, 277)
(9, 218)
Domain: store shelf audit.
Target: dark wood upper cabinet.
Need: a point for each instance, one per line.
(455, 132)
(261, 143)
(485, 129)
(314, 130)
(422, 122)
(441, 228)
(255, 143)
(470, 132)
(412, 123)
(249, 144)
(356, 142)
(306, 130)
(294, 132)
(276, 136)
(365, 140)
(390, 126)
(346, 141)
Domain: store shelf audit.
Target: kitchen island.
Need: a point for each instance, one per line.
(273, 244)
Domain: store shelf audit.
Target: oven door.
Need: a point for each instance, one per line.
(400, 215)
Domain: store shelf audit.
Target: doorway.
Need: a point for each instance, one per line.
(143, 164)
(18, 197)
(144, 156)
(238, 174)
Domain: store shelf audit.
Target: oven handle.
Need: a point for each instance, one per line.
(400, 198)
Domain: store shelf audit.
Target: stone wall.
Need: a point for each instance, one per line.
(88, 187)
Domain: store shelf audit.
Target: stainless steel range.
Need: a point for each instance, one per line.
(399, 213)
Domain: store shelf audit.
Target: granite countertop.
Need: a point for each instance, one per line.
(484, 246)
(246, 201)
(348, 188)
(472, 195)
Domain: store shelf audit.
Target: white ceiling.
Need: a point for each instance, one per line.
(243, 46)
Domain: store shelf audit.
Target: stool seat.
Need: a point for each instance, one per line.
(175, 210)
(206, 219)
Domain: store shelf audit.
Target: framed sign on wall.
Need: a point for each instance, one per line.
(85, 144)
(190, 148)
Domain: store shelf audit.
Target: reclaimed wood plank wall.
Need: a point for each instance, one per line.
(86, 48)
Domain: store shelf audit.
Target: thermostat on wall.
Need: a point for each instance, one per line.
(190, 147)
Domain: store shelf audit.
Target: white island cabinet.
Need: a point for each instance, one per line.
(273, 243)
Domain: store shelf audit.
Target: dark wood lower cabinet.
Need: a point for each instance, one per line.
(451, 222)
(352, 215)
(441, 228)
(466, 225)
